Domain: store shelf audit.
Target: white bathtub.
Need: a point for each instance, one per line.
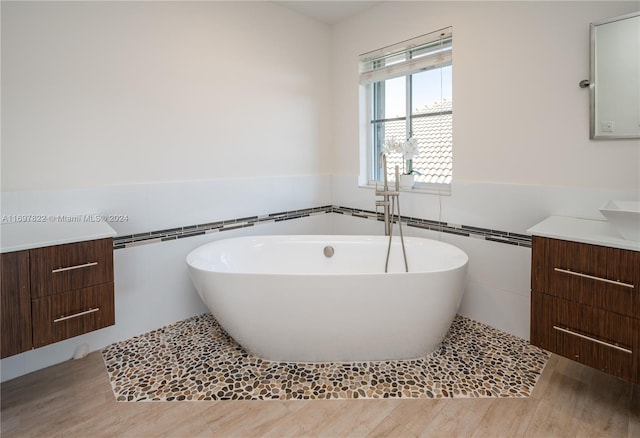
(282, 299)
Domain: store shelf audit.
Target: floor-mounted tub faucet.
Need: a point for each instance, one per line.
(390, 198)
(385, 193)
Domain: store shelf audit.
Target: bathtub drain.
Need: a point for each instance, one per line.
(328, 251)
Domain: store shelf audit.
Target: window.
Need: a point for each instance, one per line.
(408, 93)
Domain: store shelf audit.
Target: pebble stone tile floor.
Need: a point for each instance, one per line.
(195, 359)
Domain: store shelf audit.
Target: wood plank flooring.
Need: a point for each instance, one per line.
(75, 399)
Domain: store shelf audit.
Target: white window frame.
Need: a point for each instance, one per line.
(373, 69)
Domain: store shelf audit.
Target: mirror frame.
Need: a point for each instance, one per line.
(592, 83)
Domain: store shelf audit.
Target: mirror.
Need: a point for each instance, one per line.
(615, 77)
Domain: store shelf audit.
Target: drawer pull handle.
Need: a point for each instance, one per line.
(75, 315)
(86, 265)
(578, 274)
(589, 338)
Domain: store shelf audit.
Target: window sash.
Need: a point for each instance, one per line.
(379, 123)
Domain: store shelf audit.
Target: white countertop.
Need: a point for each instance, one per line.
(28, 235)
(591, 231)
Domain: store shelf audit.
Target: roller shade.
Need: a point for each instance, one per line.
(425, 52)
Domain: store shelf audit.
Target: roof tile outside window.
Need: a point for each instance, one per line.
(432, 127)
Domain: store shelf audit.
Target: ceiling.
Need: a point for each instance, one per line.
(328, 11)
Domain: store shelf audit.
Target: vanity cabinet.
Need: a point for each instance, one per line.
(585, 304)
(56, 292)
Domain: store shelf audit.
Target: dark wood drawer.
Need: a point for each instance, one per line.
(73, 313)
(607, 278)
(15, 310)
(604, 340)
(72, 266)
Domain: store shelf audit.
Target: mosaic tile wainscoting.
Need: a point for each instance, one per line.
(195, 359)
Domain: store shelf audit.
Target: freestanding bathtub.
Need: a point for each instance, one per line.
(286, 298)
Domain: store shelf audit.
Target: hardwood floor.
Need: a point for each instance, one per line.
(75, 399)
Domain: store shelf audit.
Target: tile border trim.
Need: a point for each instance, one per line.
(132, 240)
(505, 237)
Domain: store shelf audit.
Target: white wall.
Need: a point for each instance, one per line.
(109, 93)
(171, 113)
(521, 148)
